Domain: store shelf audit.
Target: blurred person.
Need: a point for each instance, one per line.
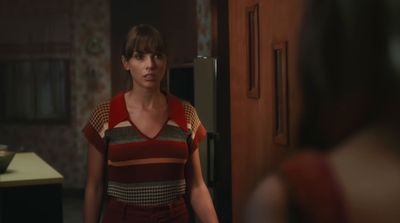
(348, 169)
(143, 146)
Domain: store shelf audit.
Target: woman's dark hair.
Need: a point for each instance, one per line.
(142, 38)
(344, 69)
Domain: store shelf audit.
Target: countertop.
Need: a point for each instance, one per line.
(27, 169)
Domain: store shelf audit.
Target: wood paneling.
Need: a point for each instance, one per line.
(253, 52)
(254, 151)
(280, 119)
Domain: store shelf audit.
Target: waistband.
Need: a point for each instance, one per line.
(117, 211)
(177, 203)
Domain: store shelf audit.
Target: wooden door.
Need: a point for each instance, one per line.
(265, 99)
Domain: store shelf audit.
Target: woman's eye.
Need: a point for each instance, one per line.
(138, 56)
(158, 56)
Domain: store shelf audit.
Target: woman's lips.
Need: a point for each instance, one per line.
(149, 77)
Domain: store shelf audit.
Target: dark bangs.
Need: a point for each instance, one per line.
(145, 39)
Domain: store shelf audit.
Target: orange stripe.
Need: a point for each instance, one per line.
(146, 161)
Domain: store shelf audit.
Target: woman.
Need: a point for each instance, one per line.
(351, 122)
(145, 142)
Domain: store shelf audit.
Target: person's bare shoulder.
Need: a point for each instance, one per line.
(367, 167)
(268, 202)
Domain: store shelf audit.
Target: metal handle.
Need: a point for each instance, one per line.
(212, 139)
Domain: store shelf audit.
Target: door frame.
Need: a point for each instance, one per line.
(220, 50)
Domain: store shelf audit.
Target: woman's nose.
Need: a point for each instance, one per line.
(150, 62)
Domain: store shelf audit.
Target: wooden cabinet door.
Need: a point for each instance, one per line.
(265, 99)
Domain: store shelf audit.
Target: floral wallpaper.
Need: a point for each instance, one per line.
(62, 145)
(203, 28)
(92, 66)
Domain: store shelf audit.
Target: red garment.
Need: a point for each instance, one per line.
(142, 171)
(315, 191)
(120, 212)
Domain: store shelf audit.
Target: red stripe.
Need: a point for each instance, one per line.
(201, 134)
(176, 111)
(94, 138)
(118, 111)
(146, 173)
(148, 149)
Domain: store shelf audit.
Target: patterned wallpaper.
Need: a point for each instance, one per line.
(203, 28)
(92, 82)
(63, 146)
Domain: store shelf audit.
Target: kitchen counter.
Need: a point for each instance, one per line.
(27, 169)
(30, 191)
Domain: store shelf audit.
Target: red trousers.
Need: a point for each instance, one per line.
(120, 212)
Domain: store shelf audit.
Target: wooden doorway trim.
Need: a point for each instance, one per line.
(220, 50)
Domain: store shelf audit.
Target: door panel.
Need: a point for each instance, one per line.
(254, 150)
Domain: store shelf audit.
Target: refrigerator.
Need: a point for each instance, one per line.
(197, 83)
(205, 77)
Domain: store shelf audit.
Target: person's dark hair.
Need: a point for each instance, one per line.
(344, 69)
(142, 38)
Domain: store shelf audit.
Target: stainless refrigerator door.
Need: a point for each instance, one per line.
(205, 77)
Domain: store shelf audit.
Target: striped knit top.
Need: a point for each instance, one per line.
(145, 171)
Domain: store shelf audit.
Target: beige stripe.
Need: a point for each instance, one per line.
(103, 130)
(122, 124)
(119, 125)
(146, 161)
(172, 123)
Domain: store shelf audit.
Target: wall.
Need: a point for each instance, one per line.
(62, 145)
(92, 84)
(203, 12)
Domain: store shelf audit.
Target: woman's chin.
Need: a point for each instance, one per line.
(151, 85)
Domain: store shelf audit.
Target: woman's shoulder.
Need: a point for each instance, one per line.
(104, 106)
(101, 111)
(177, 99)
(190, 113)
(186, 105)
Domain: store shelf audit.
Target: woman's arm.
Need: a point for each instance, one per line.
(199, 195)
(94, 185)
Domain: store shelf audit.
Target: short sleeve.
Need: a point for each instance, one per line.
(314, 188)
(96, 125)
(198, 132)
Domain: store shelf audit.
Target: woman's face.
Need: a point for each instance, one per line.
(147, 69)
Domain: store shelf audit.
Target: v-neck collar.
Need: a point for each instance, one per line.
(119, 113)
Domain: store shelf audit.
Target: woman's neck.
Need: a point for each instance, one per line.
(145, 98)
